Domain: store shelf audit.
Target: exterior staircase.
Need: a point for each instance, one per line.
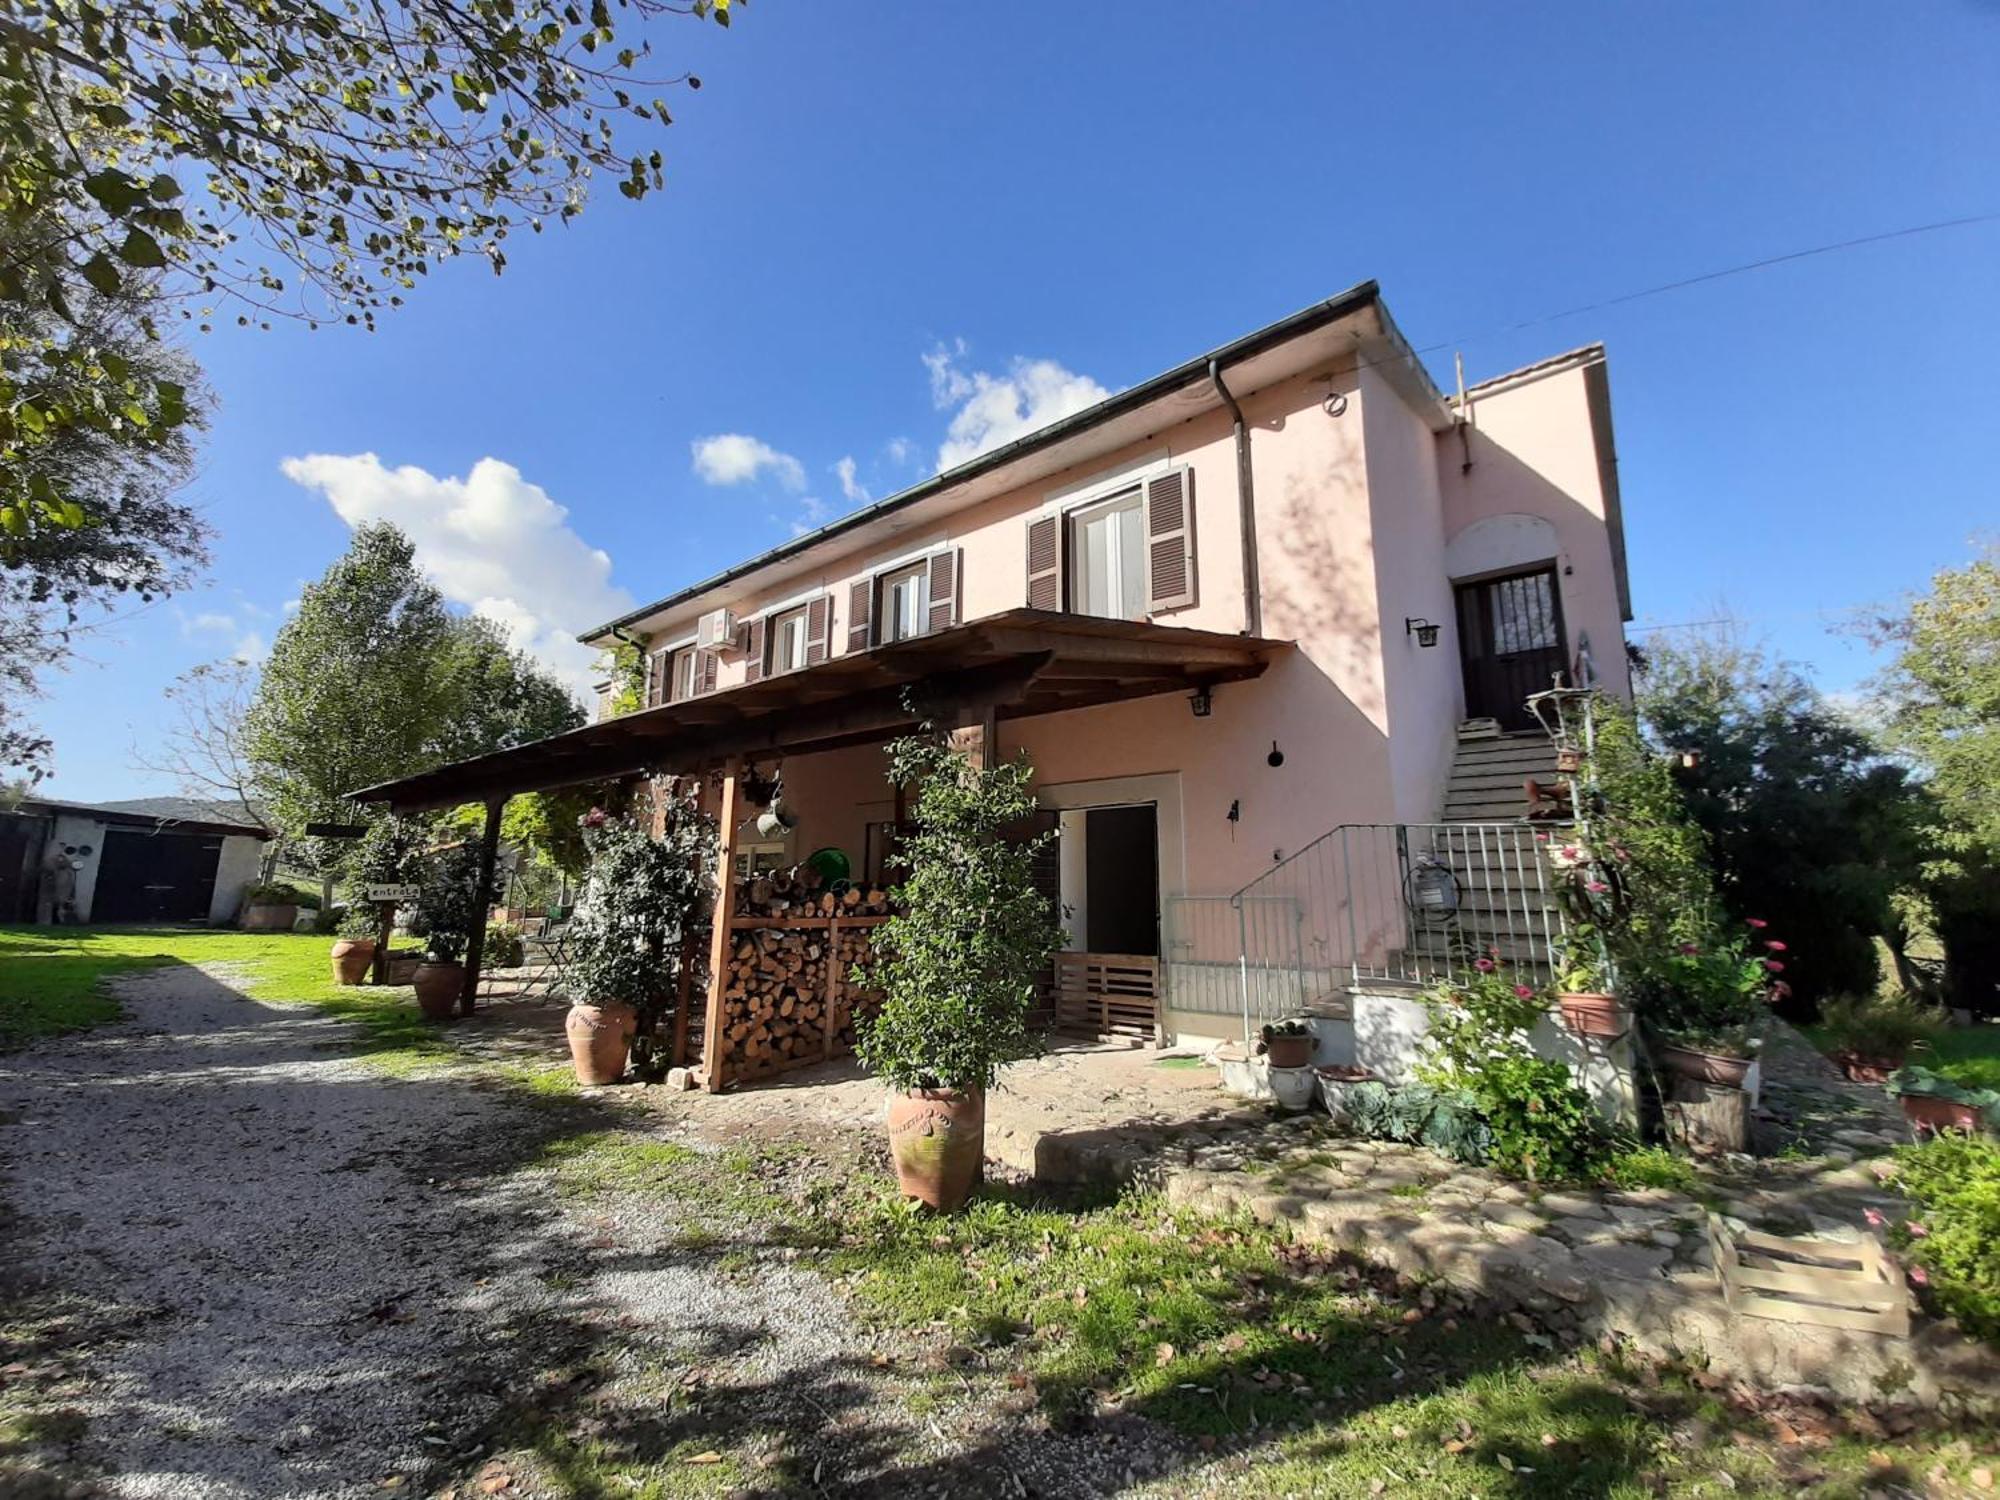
(1491, 770)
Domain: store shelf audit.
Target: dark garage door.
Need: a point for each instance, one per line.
(155, 877)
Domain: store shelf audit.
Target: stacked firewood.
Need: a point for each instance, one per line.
(853, 949)
(776, 998)
(801, 892)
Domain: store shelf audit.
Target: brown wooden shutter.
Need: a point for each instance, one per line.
(655, 668)
(861, 615)
(819, 624)
(753, 650)
(706, 665)
(1170, 541)
(669, 678)
(1045, 581)
(945, 590)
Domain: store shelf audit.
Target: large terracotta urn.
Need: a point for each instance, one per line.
(351, 958)
(438, 987)
(938, 1140)
(600, 1037)
(264, 916)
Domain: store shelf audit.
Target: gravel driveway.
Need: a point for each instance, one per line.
(282, 1271)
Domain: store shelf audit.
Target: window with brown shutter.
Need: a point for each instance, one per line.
(707, 668)
(1170, 540)
(1045, 581)
(861, 615)
(753, 650)
(819, 623)
(944, 590)
(656, 667)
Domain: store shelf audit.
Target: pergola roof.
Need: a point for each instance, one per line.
(1016, 665)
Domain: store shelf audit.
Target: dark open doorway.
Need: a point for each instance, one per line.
(155, 877)
(1122, 880)
(1510, 634)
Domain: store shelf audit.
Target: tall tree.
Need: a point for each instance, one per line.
(374, 678)
(1807, 823)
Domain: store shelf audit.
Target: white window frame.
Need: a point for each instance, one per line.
(1128, 502)
(888, 624)
(683, 660)
(774, 635)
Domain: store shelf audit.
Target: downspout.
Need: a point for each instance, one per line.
(619, 633)
(1246, 506)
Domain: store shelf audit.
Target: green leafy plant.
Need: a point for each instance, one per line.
(505, 947)
(275, 894)
(1448, 1121)
(1953, 1241)
(959, 960)
(1711, 989)
(358, 921)
(1885, 1026)
(447, 905)
(1922, 1083)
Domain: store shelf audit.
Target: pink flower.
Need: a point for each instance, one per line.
(1758, 924)
(1918, 1276)
(1484, 965)
(1776, 966)
(1596, 887)
(1570, 851)
(1522, 992)
(1781, 991)
(1690, 950)
(595, 818)
(1541, 838)
(1874, 1217)
(1775, 946)
(1917, 1230)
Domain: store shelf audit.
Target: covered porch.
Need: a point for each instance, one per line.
(819, 731)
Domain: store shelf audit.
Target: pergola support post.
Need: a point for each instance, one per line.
(475, 943)
(720, 938)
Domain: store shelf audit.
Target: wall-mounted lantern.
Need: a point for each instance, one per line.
(1425, 632)
(1202, 701)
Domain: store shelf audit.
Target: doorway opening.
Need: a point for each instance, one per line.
(1510, 636)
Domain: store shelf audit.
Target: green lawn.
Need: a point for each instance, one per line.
(52, 979)
(1968, 1054)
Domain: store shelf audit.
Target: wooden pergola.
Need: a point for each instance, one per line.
(967, 678)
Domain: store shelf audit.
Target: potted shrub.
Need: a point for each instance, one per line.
(1702, 1001)
(639, 896)
(506, 948)
(1872, 1036)
(957, 963)
(1287, 1044)
(1932, 1102)
(270, 908)
(447, 907)
(354, 944)
(1584, 995)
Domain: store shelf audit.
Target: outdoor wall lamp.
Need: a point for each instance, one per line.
(1202, 702)
(1425, 632)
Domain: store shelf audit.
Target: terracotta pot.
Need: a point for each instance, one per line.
(1290, 1051)
(438, 987)
(1709, 1067)
(1589, 1014)
(1931, 1114)
(599, 1038)
(269, 918)
(1861, 1068)
(351, 958)
(938, 1139)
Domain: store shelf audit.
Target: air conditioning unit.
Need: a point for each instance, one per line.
(716, 630)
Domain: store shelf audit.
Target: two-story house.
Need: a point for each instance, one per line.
(1235, 607)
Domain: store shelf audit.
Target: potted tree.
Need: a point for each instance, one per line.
(957, 963)
(640, 897)
(447, 907)
(1871, 1036)
(270, 908)
(354, 944)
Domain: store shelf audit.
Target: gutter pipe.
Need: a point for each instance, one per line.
(1246, 506)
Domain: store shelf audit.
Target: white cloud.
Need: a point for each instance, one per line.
(812, 514)
(251, 647)
(995, 409)
(736, 458)
(207, 623)
(491, 541)
(246, 645)
(849, 486)
(901, 452)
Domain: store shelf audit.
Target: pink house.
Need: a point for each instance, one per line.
(1228, 612)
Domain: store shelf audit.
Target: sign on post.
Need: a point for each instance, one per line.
(394, 892)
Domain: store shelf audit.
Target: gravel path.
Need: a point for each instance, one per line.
(289, 1273)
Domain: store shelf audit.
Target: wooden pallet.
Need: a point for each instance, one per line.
(1107, 994)
(1818, 1282)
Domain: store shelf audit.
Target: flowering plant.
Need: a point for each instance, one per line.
(1711, 989)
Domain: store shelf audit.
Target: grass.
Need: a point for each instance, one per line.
(53, 979)
(1969, 1055)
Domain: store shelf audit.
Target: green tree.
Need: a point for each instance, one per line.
(1806, 821)
(374, 678)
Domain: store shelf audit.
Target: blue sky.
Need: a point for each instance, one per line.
(886, 227)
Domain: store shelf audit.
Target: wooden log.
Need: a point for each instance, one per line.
(1707, 1118)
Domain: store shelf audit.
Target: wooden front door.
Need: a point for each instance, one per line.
(1510, 633)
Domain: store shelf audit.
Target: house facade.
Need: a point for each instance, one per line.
(1419, 560)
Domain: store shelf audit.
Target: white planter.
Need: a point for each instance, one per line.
(1292, 1088)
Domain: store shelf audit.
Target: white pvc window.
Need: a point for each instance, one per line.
(681, 682)
(1107, 559)
(906, 603)
(788, 641)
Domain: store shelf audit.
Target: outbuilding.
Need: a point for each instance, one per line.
(148, 859)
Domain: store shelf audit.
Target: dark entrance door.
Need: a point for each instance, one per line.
(155, 877)
(1122, 880)
(1510, 632)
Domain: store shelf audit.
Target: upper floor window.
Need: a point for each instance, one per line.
(683, 674)
(1107, 558)
(788, 640)
(906, 603)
